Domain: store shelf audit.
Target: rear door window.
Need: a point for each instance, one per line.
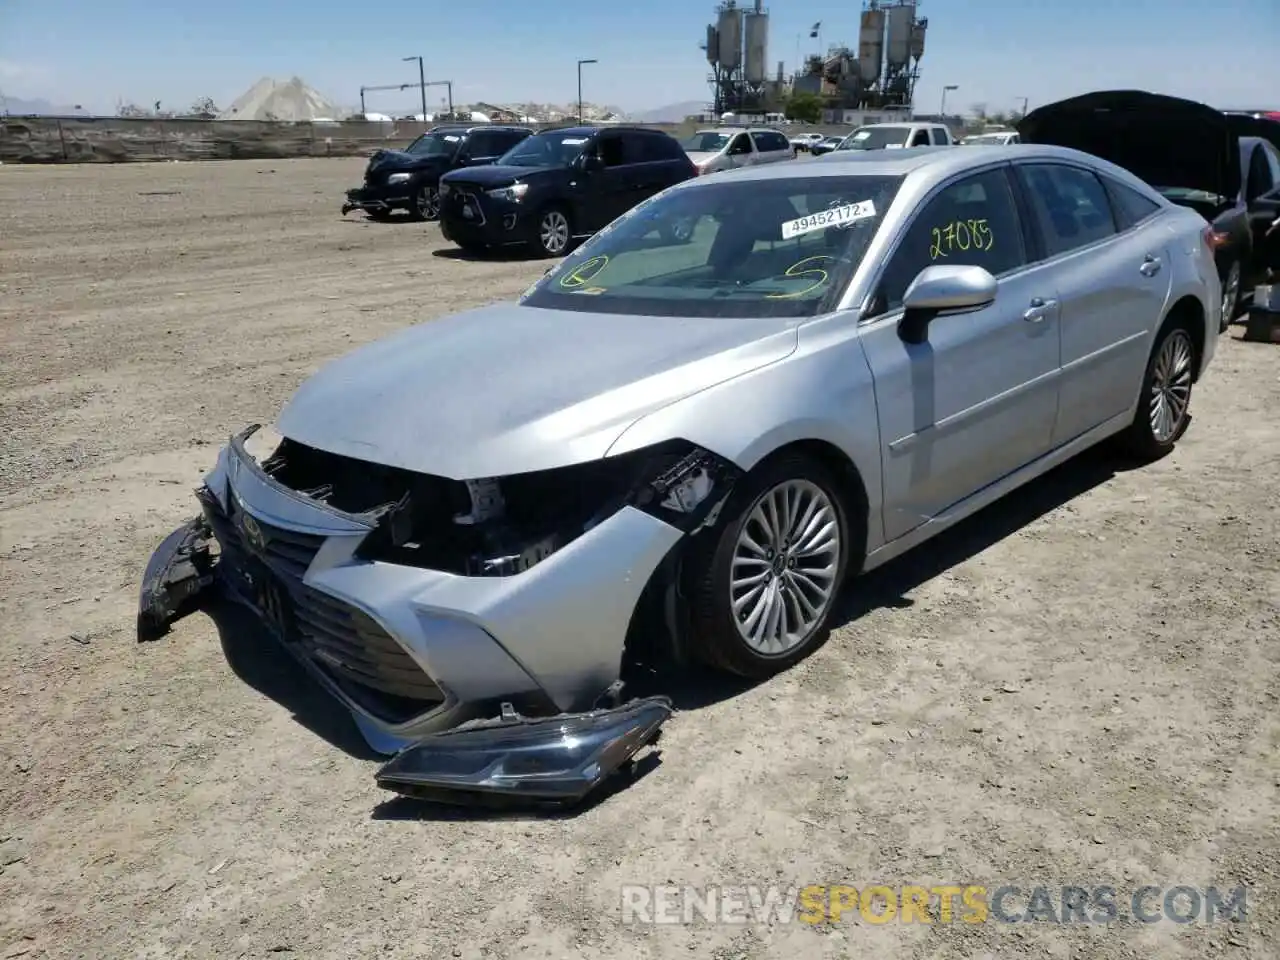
(940, 137)
(506, 139)
(613, 150)
(769, 142)
(658, 147)
(486, 143)
(1069, 205)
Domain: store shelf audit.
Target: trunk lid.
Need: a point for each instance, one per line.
(1167, 141)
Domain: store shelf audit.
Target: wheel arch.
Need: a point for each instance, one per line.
(662, 603)
(1188, 312)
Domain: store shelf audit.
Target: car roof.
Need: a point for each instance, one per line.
(588, 130)
(942, 160)
(901, 124)
(472, 127)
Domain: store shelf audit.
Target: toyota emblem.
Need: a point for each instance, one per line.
(253, 533)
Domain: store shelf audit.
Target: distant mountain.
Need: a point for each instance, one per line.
(16, 106)
(672, 113)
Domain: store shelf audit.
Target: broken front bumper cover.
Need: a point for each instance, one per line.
(374, 199)
(556, 760)
(179, 570)
(549, 760)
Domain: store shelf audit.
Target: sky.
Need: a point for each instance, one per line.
(97, 54)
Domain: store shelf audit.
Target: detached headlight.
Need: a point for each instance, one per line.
(497, 527)
(513, 193)
(399, 178)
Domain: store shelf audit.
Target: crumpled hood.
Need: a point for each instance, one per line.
(386, 160)
(512, 389)
(1166, 141)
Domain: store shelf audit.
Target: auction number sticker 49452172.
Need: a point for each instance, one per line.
(834, 217)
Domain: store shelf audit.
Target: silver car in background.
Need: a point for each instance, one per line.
(697, 435)
(728, 148)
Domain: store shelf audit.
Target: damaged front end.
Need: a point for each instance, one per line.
(179, 571)
(427, 605)
(554, 761)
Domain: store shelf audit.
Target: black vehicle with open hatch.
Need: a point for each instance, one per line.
(558, 186)
(409, 179)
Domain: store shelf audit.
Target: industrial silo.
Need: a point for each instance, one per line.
(729, 31)
(713, 44)
(871, 46)
(756, 32)
(918, 30)
(898, 47)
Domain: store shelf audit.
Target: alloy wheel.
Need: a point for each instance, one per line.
(1171, 386)
(429, 203)
(553, 231)
(1230, 294)
(782, 578)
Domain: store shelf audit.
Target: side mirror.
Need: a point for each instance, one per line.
(943, 289)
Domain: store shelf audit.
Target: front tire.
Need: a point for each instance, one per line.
(425, 204)
(763, 586)
(1164, 410)
(554, 232)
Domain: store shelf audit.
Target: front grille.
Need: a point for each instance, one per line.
(347, 644)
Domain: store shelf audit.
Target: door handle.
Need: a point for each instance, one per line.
(1150, 266)
(1039, 309)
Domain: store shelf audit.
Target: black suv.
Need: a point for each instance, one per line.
(407, 179)
(559, 185)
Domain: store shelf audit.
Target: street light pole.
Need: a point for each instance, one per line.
(422, 84)
(1024, 107)
(943, 109)
(580, 63)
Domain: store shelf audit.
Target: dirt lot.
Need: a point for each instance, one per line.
(1081, 687)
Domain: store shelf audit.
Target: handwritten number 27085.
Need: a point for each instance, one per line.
(960, 236)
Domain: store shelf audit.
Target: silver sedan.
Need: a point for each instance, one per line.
(696, 426)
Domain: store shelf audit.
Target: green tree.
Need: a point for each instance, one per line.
(804, 107)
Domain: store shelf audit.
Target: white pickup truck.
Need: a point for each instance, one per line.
(888, 136)
(723, 148)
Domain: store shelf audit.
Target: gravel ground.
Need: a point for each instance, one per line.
(1078, 687)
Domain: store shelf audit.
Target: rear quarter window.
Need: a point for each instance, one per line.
(1130, 207)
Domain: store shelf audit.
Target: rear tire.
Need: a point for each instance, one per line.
(1231, 295)
(764, 582)
(1164, 408)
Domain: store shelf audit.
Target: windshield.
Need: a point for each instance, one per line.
(551, 149)
(709, 141)
(875, 138)
(739, 248)
(435, 145)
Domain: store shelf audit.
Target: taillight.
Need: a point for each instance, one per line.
(1215, 239)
